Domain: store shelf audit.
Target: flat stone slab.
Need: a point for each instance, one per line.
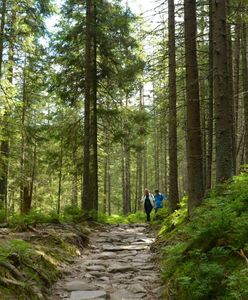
(88, 295)
(124, 295)
(106, 255)
(120, 268)
(95, 268)
(122, 248)
(141, 266)
(79, 285)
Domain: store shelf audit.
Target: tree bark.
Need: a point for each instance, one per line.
(90, 172)
(60, 176)
(237, 86)
(230, 85)
(2, 33)
(223, 109)
(194, 145)
(210, 104)
(74, 200)
(245, 87)
(173, 165)
(4, 144)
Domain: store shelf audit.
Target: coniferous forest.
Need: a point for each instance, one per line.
(102, 104)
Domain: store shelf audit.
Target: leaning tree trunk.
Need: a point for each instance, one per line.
(173, 166)
(90, 171)
(194, 145)
(223, 109)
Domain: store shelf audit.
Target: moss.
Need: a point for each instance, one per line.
(38, 259)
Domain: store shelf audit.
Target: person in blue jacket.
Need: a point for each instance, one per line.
(159, 198)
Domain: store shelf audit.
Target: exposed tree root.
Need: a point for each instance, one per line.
(13, 270)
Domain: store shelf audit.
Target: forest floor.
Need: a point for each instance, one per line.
(118, 265)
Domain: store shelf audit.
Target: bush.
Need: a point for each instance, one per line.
(72, 213)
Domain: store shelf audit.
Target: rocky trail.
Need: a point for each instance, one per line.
(118, 265)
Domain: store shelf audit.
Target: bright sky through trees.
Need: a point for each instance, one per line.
(144, 7)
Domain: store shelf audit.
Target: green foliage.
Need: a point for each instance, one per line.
(32, 218)
(201, 256)
(2, 216)
(169, 221)
(138, 217)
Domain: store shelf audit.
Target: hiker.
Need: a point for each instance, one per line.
(159, 198)
(149, 204)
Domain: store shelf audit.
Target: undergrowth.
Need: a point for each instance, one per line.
(204, 257)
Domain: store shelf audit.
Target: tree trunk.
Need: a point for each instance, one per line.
(145, 164)
(210, 104)
(173, 165)
(33, 175)
(126, 181)
(155, 151)
(74, 200)
(230, 86)
(194, 145)
(245, 93)
(23, 193)
(237, 85)
(105, 182)
(60, 176)
(90, 172)
(2, 33)
(109, 183)
(5, 142)
(165, 164)
(223, 109)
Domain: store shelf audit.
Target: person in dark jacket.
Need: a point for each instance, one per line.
(149, 203)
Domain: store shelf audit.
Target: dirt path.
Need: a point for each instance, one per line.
(117, 266)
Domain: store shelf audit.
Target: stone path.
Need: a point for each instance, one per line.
(117, 266)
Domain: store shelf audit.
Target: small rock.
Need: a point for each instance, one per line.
(136, 288)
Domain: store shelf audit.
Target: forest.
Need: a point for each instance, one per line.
(100, 100)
